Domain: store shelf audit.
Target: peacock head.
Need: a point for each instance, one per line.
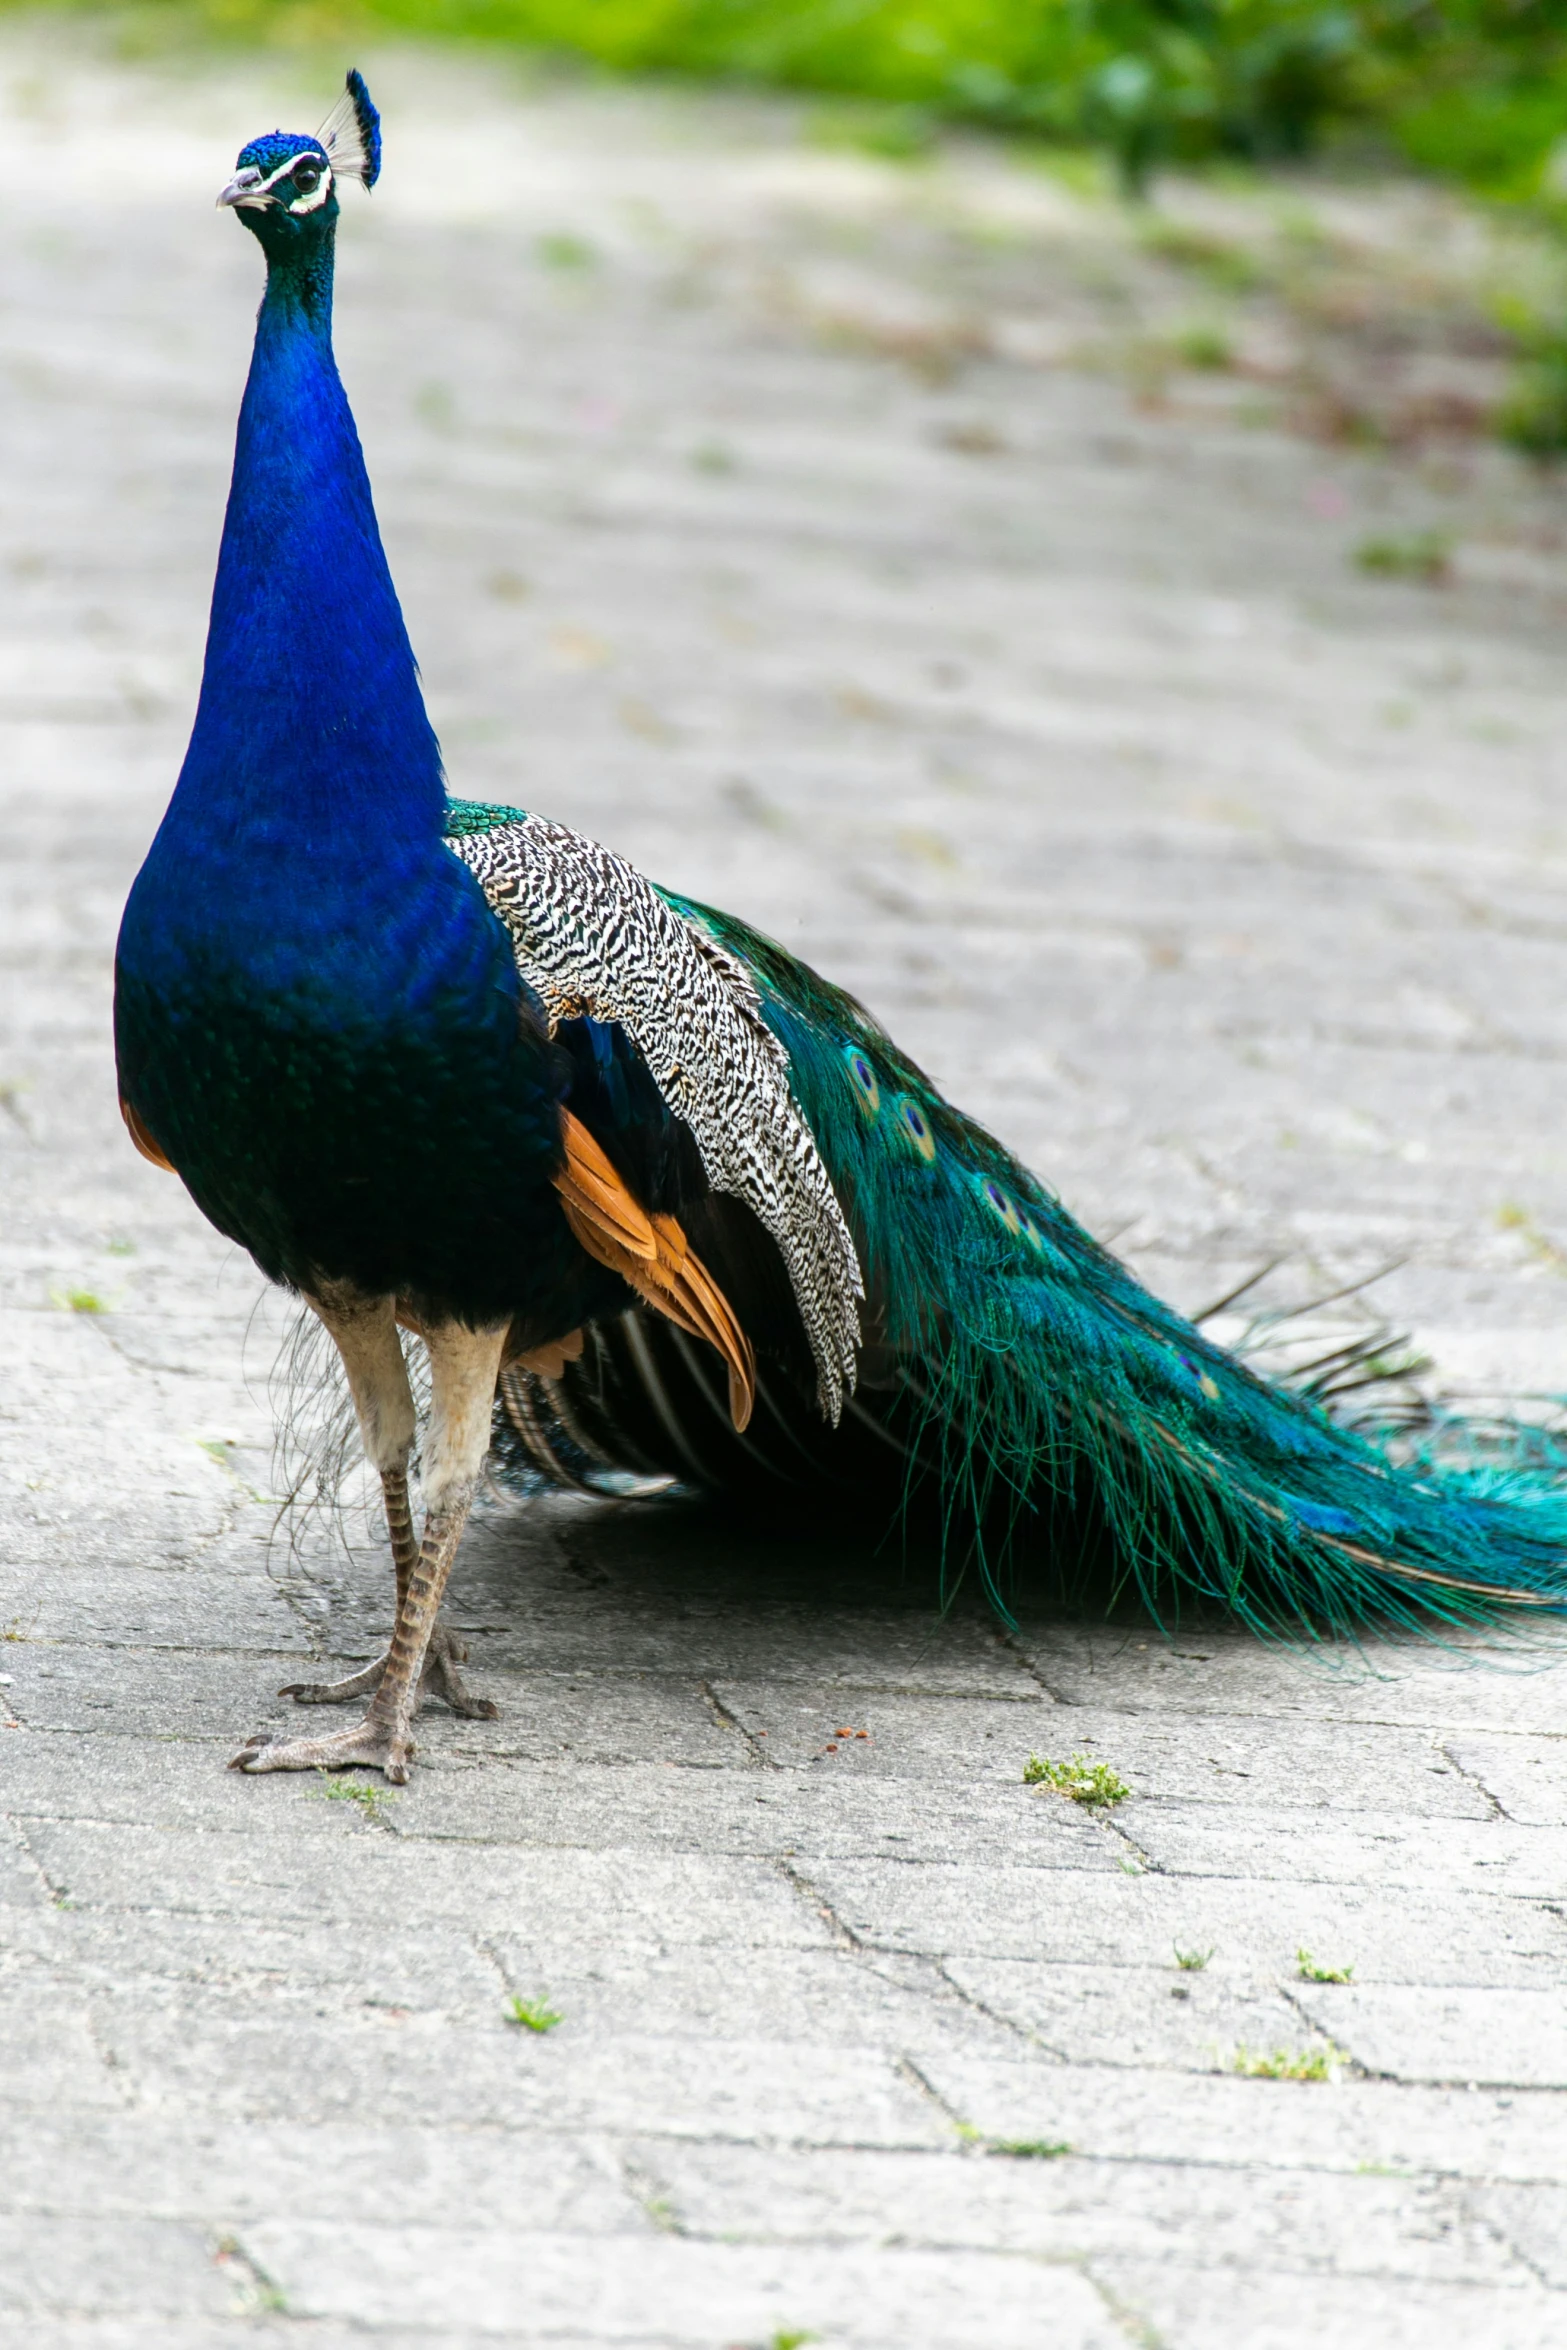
(285, 186)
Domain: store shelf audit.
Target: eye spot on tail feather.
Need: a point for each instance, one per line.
(862, 1076)
(1208, 1385)
(1000, 1203)
(917, 1128)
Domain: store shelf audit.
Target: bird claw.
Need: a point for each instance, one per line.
(363, 1684)
(440, 1678)
(369, 1745)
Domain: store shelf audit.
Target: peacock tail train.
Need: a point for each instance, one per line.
(1018, 1389)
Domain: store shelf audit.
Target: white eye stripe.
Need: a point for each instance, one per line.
(305, 155)
(317, 195)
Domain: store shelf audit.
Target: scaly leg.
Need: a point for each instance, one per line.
(463, 1368)
(445, 1653)
(365, 1332)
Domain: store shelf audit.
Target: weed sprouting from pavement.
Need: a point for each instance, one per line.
(1510, 1217)
(263, 2296)
(1205, 347)
(1191, 1962)
(532, 2015)
(561, 249)
(1425, 555)
(1287, 2064)
(1083, 1781)
(373, 1802)
(1310, 1972)
(1226, 265)
(1015, 2149)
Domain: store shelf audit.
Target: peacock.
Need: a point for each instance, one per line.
(661, 1203)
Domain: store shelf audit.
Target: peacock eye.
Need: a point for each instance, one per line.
(917, 1128)
(306, 176)
(1000, 1203)
(863, 1078)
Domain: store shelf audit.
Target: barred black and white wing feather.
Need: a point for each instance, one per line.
(593, 939)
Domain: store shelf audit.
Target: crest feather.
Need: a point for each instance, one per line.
(351, 133)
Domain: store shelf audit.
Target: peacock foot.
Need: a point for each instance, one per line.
(440, 1678)
(368, 1745)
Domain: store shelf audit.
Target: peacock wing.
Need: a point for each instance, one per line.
(595, 940)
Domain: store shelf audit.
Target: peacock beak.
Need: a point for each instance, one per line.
(245, 189)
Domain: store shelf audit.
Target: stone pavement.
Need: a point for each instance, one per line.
(742, 520)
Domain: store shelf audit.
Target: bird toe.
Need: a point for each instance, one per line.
(368, 1745)
(442, 1679)
(362, 1684)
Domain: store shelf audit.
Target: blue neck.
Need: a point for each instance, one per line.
(311, 725)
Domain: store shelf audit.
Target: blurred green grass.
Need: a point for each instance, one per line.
(1474, 90)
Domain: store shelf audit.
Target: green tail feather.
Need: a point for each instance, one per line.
(1036, 1368)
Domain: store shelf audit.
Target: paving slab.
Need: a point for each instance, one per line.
(656, 2290)
(1061, 2206)
(811, 528)
(1185, 2310)
(1123, 2113)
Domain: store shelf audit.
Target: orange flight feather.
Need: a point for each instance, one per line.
(653, 1255)
(143, 1140)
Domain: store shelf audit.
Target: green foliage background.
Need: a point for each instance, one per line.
(1475, 89)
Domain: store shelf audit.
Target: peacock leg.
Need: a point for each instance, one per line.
(463, 1369)
(445, 1653)
(365, 1332)
(439, 1677)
